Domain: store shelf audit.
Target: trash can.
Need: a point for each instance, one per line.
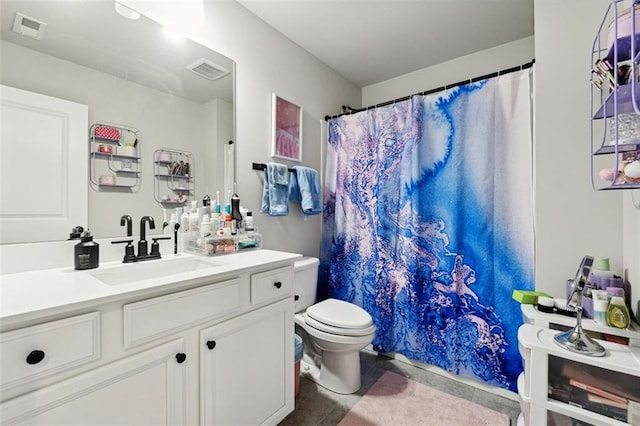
(299, 346)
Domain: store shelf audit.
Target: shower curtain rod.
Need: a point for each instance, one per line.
(347, 110)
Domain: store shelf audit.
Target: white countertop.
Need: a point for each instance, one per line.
(29, 295)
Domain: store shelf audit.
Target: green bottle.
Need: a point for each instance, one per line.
(617, 313)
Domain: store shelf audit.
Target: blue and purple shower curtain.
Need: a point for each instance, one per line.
(428, 224)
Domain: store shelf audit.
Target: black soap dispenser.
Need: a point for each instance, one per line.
(86, 253)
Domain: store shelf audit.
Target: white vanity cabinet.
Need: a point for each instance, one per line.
(218, 349)
(246, 362)
(146, 388)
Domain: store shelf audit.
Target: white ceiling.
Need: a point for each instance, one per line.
(369, 41)
(92, 34)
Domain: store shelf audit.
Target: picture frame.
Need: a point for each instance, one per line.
(287, 129)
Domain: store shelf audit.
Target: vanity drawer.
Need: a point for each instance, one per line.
(42, 350)
(150, 319)
(271, 285)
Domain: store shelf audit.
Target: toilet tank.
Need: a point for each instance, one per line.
(305, 282)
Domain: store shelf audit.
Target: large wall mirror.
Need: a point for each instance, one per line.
(128, 73)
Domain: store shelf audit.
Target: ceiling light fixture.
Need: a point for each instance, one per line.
(126, 12)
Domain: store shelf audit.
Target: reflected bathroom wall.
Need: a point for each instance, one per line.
(156, 104)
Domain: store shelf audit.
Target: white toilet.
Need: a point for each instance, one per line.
(333, 332)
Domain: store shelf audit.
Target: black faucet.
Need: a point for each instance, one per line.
(143, 252)
(175, 238)
(126, 220)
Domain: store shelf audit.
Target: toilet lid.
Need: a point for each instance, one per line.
(340, 314)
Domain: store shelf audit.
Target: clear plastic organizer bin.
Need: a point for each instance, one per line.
(210, 246)
(249, 240)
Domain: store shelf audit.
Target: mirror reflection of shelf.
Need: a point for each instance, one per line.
(173, 172)
(115, 162)
(115, 156)
(177, 177)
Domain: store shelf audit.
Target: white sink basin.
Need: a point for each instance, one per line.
(150, 269)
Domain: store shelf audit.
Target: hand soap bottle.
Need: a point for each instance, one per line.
(86, 253)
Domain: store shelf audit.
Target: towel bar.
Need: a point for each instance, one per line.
(262, 166)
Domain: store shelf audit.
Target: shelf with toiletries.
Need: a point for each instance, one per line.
(615, 100)
(114, 156)
(629, 336)
(173, 174)
(558, 381)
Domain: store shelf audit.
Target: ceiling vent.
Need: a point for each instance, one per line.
(207, 69)
(28, 27)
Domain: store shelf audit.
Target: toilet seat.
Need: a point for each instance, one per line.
(339, 317)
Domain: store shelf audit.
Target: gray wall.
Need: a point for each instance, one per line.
(573, 219)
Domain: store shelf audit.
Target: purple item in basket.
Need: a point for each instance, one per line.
(615, 291)
(602, 282)
(587, 302)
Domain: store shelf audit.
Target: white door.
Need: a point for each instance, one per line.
(143, 389)
(247, 368)
(43, 166)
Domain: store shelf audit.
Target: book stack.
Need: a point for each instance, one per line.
(590, 398)
(601, 391)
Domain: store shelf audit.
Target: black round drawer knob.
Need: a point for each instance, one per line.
(180, 357)
(35, 357)
(277, 284)
(211, 344)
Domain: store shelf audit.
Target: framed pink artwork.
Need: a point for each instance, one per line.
(287, 129)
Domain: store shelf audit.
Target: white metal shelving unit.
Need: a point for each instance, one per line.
(174, 177)
(615, 96)
(115, 160)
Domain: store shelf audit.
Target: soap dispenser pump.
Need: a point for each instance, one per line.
(86, 252)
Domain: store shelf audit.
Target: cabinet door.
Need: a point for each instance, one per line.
(146, 388)
(247, 368)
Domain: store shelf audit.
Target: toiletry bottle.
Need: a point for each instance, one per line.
(86, 252)
(194, 226)
(205, 226)
(228, 225)
(184, 222)
(248, 221)
(617, 313)
(215, 222)
(172, 224)
(601, 275)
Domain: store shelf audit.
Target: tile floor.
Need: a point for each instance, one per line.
(318, 406)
